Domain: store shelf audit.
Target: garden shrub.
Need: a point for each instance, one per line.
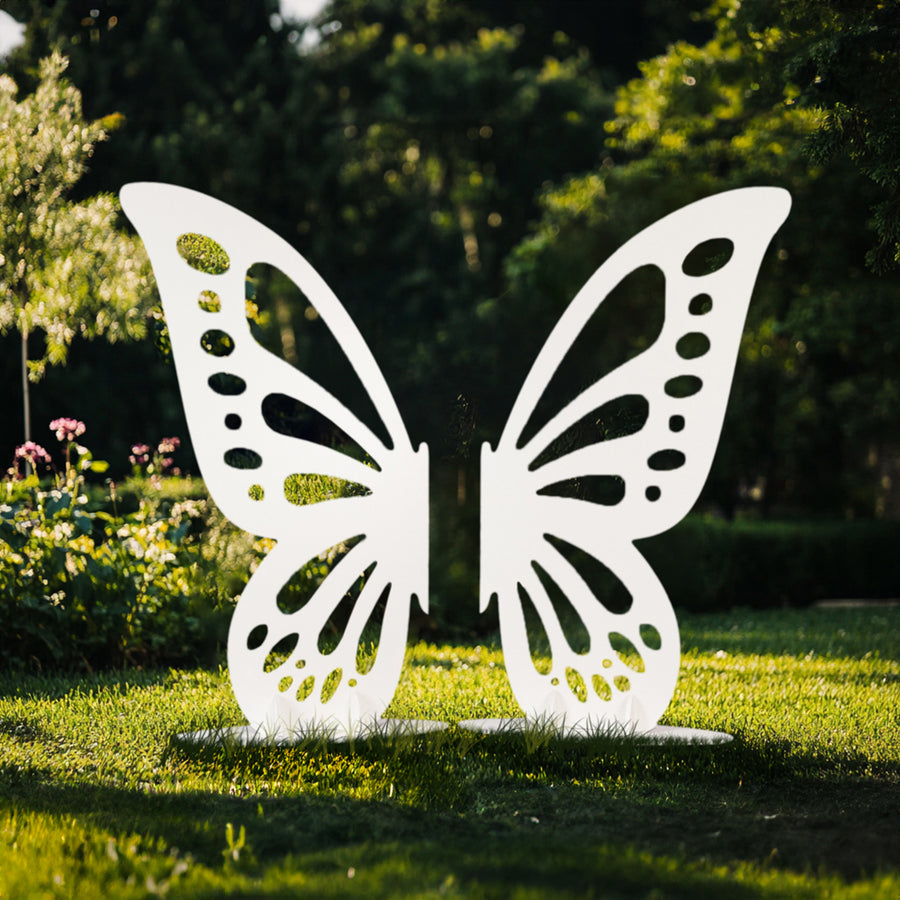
(82, 586)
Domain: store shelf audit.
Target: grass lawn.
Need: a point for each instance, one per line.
(99, 799)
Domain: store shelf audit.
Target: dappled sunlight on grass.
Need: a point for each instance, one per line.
(97, 791)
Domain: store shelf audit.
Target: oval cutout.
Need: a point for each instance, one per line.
(650, 636)
(676, 423)
(601, 687)
(622, 683)
(708, 257)
(242, 458)
(257, 637)
(203, 253)
(306, 687)
(576, 684)
(700, 305)
(692, 345)
(226, 384)
(330, 684)
(217, 342)
(683, 386)
(666, 460)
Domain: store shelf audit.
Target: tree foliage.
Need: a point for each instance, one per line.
(813, 414)
(65, 270)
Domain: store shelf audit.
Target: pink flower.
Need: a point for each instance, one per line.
(33, 452)
(169, 445)
(67, 429)
(140, 455)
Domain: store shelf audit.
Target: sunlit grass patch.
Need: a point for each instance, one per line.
(100, 797)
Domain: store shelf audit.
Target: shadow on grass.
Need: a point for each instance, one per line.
(569, 816)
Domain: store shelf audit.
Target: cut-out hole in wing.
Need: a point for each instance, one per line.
(623, 326)
(242, 458)
(203, 253)
(226, 384)
(605, 490)
(370, 639)
(615, 419)
(280, 652)
(692, 345)
(650, 636)
(287, 324)
(700, 305)
(217, 342)
(708, 257)
(577, 635)
(299, 589)
(209, 301)
(333, 630)
(626, 651)
(538, 642)
(600, 580)
(683, 386)
(288, 416)
(302, 489)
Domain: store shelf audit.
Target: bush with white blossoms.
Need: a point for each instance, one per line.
(83, 587)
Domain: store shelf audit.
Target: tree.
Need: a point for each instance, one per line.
(64, 269)
(842, 57)
(814, 411)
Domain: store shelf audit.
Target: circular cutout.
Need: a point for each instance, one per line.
(708, 257)
(209, 301)
(256, 492)
(653, 493)
(676, 423)
(700, 305)
(233, 421)
(217, 342)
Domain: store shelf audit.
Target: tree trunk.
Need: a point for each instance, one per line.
(26, 388)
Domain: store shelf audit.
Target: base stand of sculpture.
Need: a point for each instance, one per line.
(325, 732)
(659, 734)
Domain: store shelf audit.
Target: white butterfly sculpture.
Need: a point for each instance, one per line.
(627, 676)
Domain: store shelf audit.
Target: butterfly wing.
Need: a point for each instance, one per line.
(225, 377)
(627, 676)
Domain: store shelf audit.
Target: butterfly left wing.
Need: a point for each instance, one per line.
(283, 673)
(627, 676)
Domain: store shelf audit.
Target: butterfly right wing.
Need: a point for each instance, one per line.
(533, 534)
(282, 671)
